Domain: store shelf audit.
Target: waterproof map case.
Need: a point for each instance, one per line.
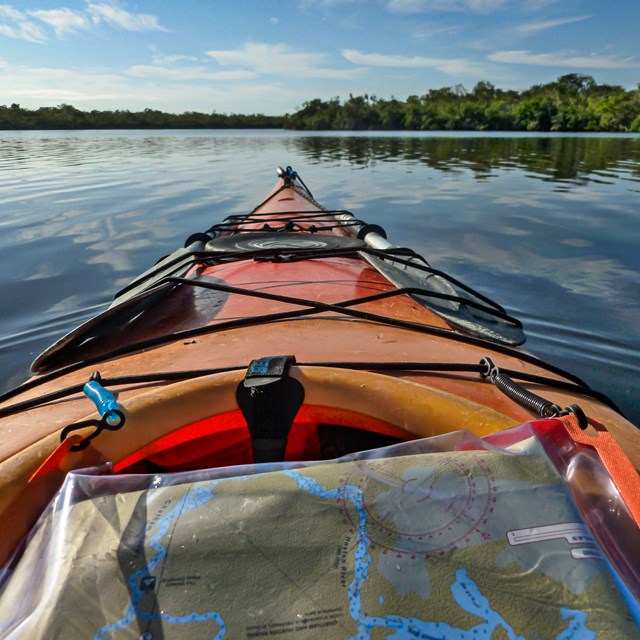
(520, 535)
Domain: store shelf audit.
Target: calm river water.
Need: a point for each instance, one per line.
(548, 225)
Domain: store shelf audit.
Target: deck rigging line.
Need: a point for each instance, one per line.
(394, 255)
(425, 367)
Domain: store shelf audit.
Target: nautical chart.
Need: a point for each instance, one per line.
(455, 545)
(460, 500)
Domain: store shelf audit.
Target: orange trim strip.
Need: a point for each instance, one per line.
(622, 472)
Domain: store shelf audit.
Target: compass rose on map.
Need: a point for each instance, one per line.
(424, 510)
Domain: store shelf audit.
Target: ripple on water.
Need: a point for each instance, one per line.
(82, 213)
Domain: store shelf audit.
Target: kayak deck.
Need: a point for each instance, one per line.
(290, 390)
(290, 278)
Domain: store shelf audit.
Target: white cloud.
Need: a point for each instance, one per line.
(20, 27)
(452, 66)
(309, 4)
(186, 74)
(61, 20)
(23, 31)
(534, 27)
(161, 58)
(27, 24)
(116, 17)
(537, 5)
(49, 85)
(483, 6)
(382, 60)
(278, 60)
(409, 7)
(9, 13)
(34, 87)
(562, 59)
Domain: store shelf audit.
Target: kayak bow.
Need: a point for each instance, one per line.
(293, 335)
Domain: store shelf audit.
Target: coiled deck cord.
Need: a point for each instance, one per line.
(525, 398)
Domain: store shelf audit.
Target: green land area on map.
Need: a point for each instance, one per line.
(439, 545)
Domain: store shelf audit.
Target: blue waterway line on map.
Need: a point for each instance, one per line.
(362, 557)
(464, 590)
(575, 629)
(194, 498)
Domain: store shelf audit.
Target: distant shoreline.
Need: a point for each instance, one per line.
(572, 103)
(363, 132)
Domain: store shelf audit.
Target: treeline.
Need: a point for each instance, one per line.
(574, 102)
(67, 117)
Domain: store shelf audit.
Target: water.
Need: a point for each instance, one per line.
(547, 225)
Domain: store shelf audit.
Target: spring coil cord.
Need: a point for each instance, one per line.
(531, 401)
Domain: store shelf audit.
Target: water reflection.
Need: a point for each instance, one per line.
(558, 158)
(547, 225)
(575, 159)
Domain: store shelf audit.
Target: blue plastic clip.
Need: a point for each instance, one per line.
(105, 402)
(111, 416)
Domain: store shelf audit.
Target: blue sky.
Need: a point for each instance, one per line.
(270, 57)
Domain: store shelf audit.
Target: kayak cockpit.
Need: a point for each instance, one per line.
(298, 413)
(203, 422)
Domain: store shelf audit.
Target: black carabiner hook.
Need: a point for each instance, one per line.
(112, 421)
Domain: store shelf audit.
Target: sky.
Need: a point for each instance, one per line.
(271, 57)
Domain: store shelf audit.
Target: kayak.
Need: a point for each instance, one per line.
(293, 427)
